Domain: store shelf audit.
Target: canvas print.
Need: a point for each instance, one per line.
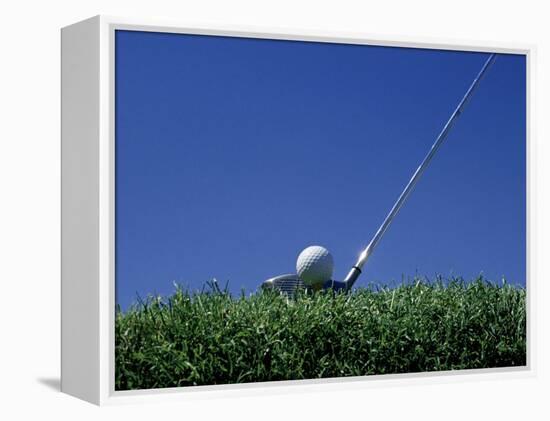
(291, 210)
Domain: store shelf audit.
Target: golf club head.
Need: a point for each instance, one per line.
(290, 283)
(285, 284)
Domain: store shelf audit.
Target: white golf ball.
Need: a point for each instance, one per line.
(315, 266)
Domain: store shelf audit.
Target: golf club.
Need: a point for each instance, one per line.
(289, 283)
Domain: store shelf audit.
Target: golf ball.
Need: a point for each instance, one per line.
(315, 266)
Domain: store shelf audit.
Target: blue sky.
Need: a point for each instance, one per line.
(232, 155)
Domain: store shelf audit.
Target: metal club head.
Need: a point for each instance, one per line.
(291, 283)
(287, 284)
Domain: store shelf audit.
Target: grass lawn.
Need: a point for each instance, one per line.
(214, 338)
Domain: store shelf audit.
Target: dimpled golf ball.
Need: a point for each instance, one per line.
(314, 266)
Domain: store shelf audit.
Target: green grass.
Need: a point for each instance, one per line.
(213, 338)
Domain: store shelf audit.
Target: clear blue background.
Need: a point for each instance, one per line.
(232, 155)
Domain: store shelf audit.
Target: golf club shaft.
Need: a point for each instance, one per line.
(356, 270)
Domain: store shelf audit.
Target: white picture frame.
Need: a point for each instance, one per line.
(88, 282)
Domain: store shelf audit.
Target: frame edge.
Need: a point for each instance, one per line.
(80, 311)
